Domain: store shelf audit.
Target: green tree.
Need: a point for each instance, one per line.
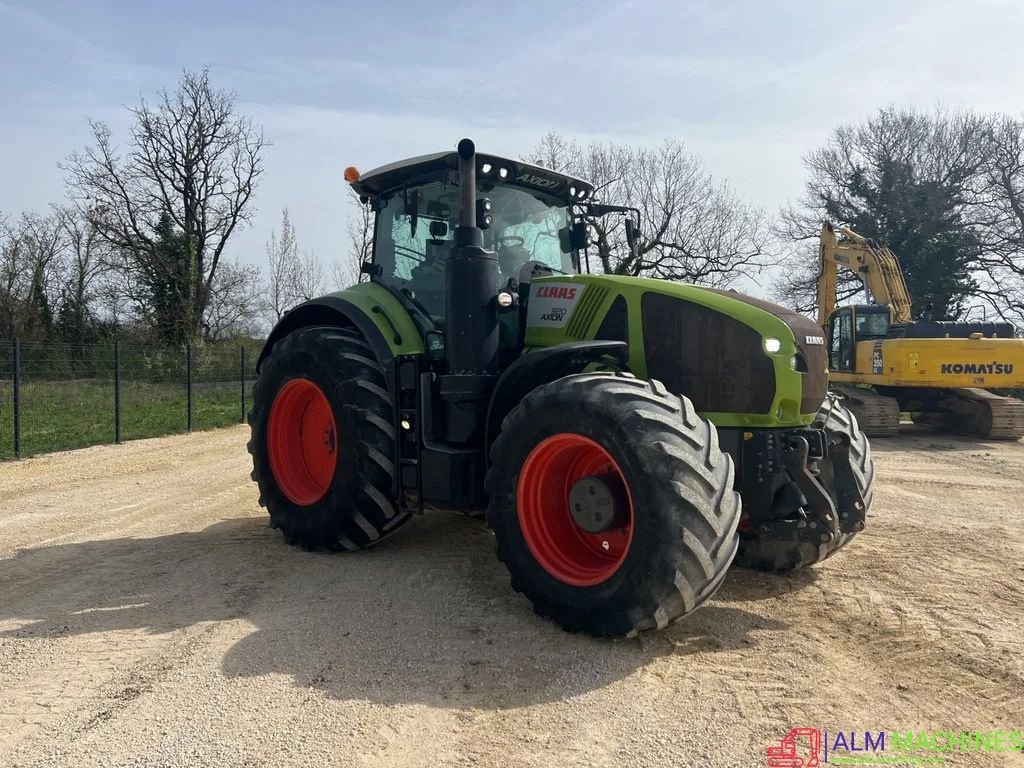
(921, 222)
(904, 179)
(165, 282)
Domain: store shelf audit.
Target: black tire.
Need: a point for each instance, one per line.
(685, 510)
(833, 416)
(780, 556)
(356, 510)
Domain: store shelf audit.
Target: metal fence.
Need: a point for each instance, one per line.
(56, 396)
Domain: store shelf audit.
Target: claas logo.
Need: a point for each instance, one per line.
(556, 292)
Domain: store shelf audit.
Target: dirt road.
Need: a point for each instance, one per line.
(149, 617)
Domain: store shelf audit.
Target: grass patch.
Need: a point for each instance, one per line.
(63, 415)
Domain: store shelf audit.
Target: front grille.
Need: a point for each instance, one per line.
(812, 357)
(714, 359)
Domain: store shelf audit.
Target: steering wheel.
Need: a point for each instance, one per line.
(509, 241)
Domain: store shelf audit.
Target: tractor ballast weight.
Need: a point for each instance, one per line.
(628, 439)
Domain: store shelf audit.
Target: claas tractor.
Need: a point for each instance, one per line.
(627, 439)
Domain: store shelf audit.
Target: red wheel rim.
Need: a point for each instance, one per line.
(564, 550)
(302, 441)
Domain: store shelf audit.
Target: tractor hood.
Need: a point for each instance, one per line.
(742, 360)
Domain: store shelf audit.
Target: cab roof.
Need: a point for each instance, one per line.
(488, 167)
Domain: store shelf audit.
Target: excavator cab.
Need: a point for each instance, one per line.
(849, 325)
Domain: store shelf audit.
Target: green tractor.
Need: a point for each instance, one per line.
(628, 439)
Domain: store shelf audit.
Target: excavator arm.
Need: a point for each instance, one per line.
(876, 266)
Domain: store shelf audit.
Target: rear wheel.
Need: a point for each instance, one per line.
(794, 552)
(323, 440)
(612, 504)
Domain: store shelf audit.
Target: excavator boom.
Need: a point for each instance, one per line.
(876, 266)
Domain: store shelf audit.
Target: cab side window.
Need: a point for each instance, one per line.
(411, 250)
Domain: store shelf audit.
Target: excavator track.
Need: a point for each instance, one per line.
(877, 415)
(976, 413)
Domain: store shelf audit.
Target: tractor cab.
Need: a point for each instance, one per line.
(531, 218)
(525, 214)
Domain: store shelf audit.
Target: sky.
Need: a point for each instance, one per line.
(749, 86)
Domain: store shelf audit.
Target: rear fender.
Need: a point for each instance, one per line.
(329, 310)
(371, 309)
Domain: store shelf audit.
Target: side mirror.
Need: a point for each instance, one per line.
(438, 230)
(412, 210)
(632, 237)
(565, 238)
(578, 236)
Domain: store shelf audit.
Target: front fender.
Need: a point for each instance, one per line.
(542, 367)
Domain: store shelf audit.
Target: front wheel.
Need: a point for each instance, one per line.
(612, 505)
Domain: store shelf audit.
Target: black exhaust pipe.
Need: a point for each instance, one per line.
(471, 282)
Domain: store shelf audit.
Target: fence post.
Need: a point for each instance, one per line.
(188, 382)
(241, 370)
(17, 399)
(117, 391)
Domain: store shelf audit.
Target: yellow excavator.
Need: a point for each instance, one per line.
(884, 361)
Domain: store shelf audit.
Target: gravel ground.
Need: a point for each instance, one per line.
(148, 616)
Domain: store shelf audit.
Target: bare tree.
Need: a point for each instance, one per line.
(693, 228)
(14, 278)
(559, 153)
(997, 211)
(282, 257)
(293, 277)
(234, 307)
(83, 268)
(309, 278)
(192, 159)
(32, 250)
(348, 271)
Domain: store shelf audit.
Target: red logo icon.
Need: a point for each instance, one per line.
(556, 292)
(788, 754)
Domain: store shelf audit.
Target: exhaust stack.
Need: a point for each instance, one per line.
(471, 283)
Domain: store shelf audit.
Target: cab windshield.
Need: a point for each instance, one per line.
(527, 226)
(872, 322)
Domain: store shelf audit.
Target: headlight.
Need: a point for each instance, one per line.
(772, 345)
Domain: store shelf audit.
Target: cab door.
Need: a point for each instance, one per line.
(842, 354)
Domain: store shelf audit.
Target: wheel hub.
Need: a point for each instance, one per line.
(302, 442)
(596, 504)
(583, 546)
